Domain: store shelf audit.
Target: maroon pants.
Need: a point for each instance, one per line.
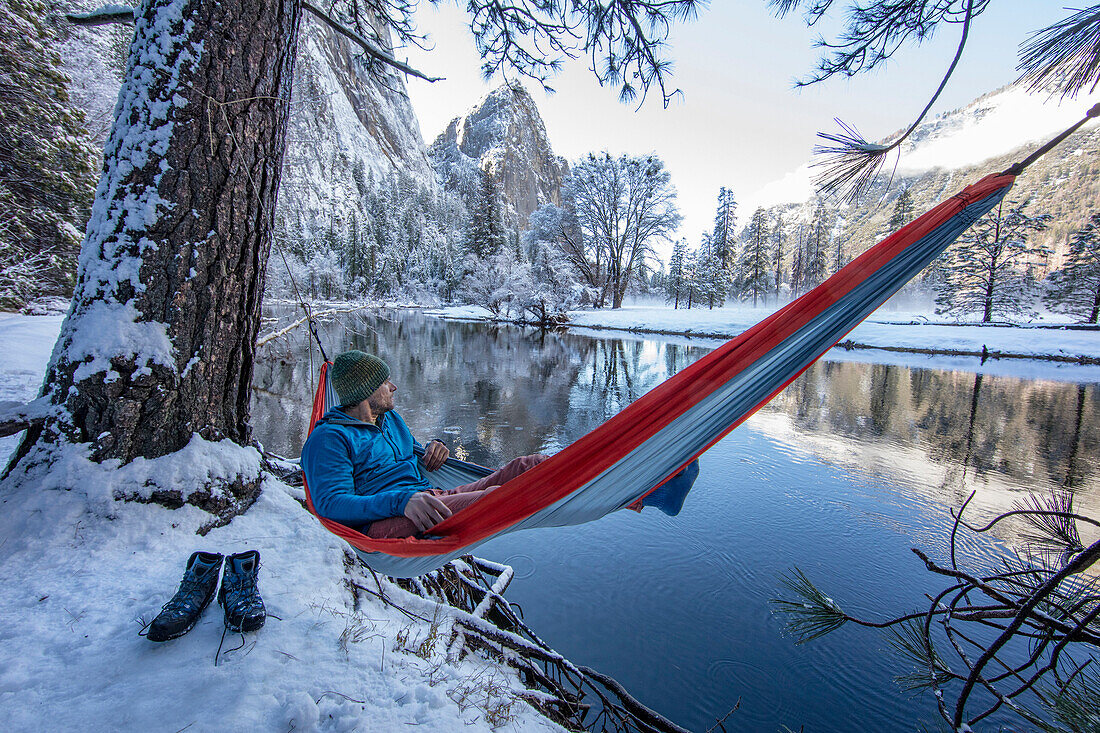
(455, 499)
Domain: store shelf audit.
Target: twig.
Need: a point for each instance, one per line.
(103, 16)
(372, 50)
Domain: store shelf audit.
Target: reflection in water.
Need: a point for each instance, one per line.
(497, 392)
(841, 474)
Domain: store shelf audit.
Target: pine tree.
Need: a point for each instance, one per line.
(674, 283)
(903, 211)
(485, 232)
(983, 272)
(46, 159)
(779, 239)
(710, 276)
(724, 237)
(815, 260)
(1075, 287)
(754, 262)
(798, 261)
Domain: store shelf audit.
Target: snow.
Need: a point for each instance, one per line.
(1002, 122)
(83, 572)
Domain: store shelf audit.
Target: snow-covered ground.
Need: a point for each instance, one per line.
(81, 573)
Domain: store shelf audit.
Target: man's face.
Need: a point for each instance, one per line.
(382, 399)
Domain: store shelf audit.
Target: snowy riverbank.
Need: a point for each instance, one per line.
(83, 572)
(1048, 351)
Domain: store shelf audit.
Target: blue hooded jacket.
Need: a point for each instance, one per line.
(360, 472)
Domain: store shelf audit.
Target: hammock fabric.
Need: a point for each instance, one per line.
(653, 439)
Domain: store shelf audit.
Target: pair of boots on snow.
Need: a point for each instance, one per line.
(238, 596)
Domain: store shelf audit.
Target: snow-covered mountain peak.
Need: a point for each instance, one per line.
(504, 136)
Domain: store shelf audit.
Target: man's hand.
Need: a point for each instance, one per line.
(425, 510)
(435, 453)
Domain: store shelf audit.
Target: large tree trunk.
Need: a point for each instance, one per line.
(159, 343)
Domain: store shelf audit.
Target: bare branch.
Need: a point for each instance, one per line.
(103, 16)
(372, 50)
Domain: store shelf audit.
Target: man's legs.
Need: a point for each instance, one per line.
(457, 498)
(395, 527)
(514, 468)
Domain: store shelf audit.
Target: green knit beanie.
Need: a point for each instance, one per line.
(355, 376)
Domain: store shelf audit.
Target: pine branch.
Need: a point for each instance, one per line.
(371, 49)
(1054, 529)
(1067, 53)
(814, 614)
(1074, 703)
(912, 641)
(852, 163)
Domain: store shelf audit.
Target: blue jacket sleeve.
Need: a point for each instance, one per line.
(327, 464)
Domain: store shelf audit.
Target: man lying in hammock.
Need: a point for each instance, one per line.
(360, 464)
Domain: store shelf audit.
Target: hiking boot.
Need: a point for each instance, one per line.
(196, 590)
(244, 609)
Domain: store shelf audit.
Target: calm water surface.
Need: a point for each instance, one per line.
(841, 475)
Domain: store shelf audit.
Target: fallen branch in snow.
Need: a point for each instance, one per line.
(260, 341)
(468, 595)
(15, 417)
(103, 16)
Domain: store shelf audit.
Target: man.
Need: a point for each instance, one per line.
(360, 464)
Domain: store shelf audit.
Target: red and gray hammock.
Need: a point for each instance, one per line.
(655, 438)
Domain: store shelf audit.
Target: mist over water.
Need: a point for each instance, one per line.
(841, 474)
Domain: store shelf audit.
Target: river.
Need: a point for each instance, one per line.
(840, 475)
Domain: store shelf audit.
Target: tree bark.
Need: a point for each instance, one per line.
(160, 340)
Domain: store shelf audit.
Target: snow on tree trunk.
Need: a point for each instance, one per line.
(159, 343)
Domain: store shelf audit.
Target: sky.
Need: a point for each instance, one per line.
(740, 122)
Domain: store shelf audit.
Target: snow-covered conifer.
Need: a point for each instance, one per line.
(485, 231)
(753, 262)
(903, 211)
(675, 283)
(815, 259)
(709, 280)
(1074, 288)
(779, 243)
(984, 272)
(724, 237)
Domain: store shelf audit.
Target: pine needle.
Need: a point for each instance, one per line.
(1051, 530)
(850, 164)
(1076, 705)
(814, 614)
(911, 642)
(1066, 53)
